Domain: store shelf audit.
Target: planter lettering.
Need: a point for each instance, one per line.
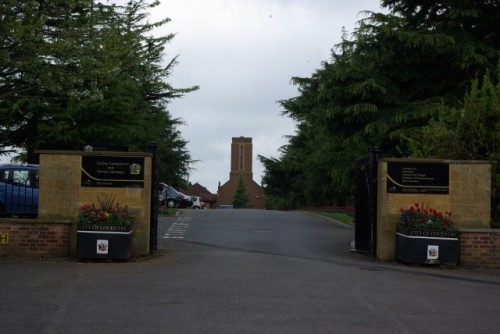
(427, 246)
(99, 241)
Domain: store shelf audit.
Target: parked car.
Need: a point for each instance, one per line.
(168, 196)
(197, 203)
(171, 198)
(186, 201)
(19, 190)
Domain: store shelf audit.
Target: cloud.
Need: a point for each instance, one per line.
(243, 55)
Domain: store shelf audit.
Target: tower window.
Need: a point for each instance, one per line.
(242, 157)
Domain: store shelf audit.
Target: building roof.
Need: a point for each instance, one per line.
(199, 190)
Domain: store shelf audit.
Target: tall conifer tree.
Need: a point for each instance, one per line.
(400, 70)
(80, 71)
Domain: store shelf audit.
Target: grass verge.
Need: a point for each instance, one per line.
(167, 211)
(341, 216)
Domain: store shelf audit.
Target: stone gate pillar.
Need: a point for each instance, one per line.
(70, 179)
(462, 187)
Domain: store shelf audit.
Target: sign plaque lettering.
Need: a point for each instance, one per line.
(105, 171)
(418, 178)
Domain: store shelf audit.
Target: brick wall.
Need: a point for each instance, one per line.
(34, 238)
(480, 248)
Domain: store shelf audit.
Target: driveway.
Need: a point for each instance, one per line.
(246, 271)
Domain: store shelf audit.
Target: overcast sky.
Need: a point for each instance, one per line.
(242, 54)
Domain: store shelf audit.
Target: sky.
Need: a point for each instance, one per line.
(243, 54)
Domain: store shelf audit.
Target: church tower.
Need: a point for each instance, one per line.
(241, 165)
(241, 156)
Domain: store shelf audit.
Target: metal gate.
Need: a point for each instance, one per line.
(155, 173)
(366, 203)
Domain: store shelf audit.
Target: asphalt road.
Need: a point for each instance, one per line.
(246, 271)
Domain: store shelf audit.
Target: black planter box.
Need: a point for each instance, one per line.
(104, 245)
(427, 246)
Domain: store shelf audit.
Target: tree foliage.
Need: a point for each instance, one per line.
(470, 132)
(82, 71)
(399, 72)
(240, 199)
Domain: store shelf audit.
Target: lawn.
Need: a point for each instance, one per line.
(342, 216)
(167, 211)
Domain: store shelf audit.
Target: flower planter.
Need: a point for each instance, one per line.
(427, 246)
(98, 241)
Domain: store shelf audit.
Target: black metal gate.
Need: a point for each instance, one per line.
(153, 223)
(366, 203)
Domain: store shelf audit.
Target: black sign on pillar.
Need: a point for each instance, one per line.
(106, 171)
(418, 178)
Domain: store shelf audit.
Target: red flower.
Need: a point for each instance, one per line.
(425, 218)
(117, 214)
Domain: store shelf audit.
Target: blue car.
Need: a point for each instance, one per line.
(19, 190)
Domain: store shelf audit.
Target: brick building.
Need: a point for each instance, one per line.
(241, 165)
(198, 190)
